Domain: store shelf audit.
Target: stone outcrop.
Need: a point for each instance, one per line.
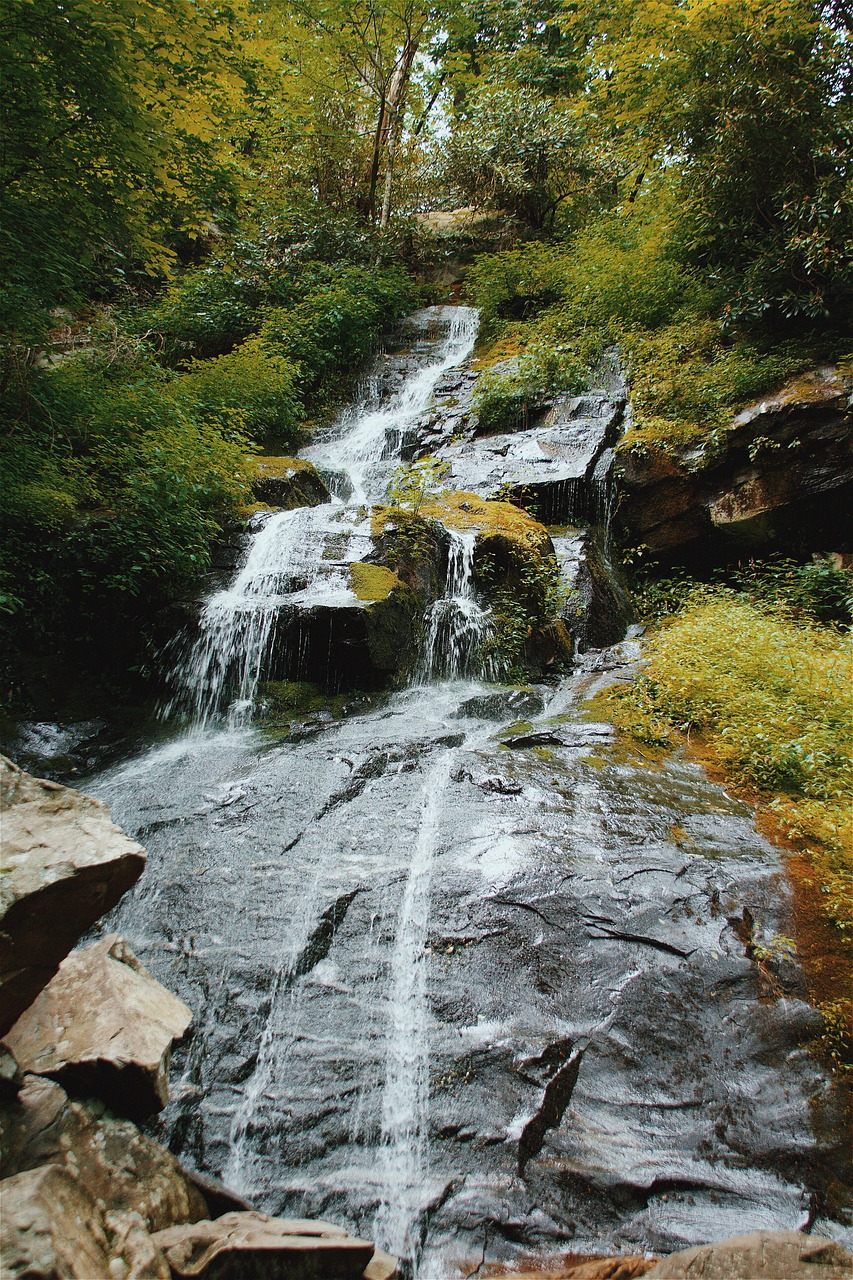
(764, 1255)
(52, 1228)
(780, 477)
(598, 607)
(253, 1243)
(64, 864)
(119, 1167)
(553, 467)
(104, 1027)
(289, 483)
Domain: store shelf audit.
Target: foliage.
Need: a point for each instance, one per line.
(250, 391)
(112, 490)
(818, 591)
(771, 696)
(505, 396)
(333, 329)
(109, 122)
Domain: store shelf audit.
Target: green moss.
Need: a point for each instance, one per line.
(282, 468)
(465, 511)
(372, 582)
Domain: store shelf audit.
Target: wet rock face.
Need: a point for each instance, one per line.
(104, 1027)
(120, 1168)
(598, 607)
(474, 999)
(65, 864)
(551, 466)
(781, 476)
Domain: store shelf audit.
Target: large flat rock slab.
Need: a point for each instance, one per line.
(255, 1245)
(104, 1027)
(763, 1255)
(553, 463)
(64, 865)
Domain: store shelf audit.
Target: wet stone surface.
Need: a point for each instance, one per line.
(463, 998)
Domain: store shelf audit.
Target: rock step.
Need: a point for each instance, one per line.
(103, 1027)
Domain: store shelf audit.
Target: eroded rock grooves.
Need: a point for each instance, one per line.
(469, 985)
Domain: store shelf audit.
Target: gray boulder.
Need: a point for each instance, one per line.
(64, 865)
(103, 1027)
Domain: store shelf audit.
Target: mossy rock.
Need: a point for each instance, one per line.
(394, 626)
(372, 582)
(413, 546)
(289, 483)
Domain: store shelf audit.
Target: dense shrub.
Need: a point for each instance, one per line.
(505, 395)
(623, 282)
(333, 329)
(251, 390)
(112, 488)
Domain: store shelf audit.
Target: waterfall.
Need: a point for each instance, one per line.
(298, 559)
(455, 626)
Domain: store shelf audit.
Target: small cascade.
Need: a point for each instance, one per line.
(298, 560)
(370, 436)
(285, 568)
(455, 626)
(405, 1098)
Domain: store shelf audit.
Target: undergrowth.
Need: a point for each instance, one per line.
(625, 282)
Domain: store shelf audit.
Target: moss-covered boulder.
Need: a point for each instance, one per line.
(516, 572)
(288, 483)
(393, 615)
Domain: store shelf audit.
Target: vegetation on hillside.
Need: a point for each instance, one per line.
(207, 216)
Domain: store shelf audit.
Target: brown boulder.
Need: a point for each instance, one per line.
(53, 1230)
(765, 1255)
(103, 1027)
(120, 1168)
(64, 864)
(780, 475)
(253, 1246)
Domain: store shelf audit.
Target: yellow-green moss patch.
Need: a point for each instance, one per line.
(372, 582)
(282, 468)
(464, 511)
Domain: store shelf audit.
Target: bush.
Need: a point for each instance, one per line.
(334, 329)
(504, 397)
(251, 390)
(518, 283)
(112, 488)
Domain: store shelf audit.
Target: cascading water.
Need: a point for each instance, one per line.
(476, 1001)
(286, 567)
(456, 626)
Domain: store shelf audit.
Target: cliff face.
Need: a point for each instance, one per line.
(780, 477)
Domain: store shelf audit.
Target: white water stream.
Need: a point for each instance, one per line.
(299, 559)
